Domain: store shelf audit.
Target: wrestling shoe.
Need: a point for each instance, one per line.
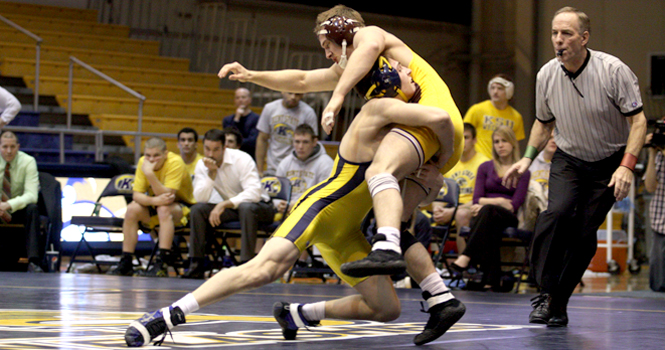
(142, 331)
(377, 262)
(290, 318)
(541, 312)
(442, 316)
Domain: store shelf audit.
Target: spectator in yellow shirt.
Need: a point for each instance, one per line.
(488, 115)
(163, 193)
(187, 139)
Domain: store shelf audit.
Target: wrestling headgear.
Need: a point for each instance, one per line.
(340, 30)
(381, 81)
(510, 87)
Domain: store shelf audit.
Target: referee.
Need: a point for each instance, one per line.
(592, 102)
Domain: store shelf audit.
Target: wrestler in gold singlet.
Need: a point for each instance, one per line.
(435, 93)
(330, 214)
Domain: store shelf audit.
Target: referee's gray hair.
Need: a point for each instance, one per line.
(583, 19)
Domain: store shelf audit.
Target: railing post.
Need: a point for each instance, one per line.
(70, 84)
(62, 147)
(99, 145)
(139, 130)
(37, 58)
(141, 98)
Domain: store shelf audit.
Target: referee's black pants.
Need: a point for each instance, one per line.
(565, 238)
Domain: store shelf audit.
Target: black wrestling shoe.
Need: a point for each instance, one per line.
(541, 309)
(377, 262)
(290, 318)
(442, 316)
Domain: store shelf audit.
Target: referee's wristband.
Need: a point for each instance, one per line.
(531, 152)
(629, 161)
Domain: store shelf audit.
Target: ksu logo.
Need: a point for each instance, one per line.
(272, 185)
(124, 182)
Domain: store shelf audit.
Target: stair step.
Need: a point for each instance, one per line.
(47, 11)
(93, 57)
(19, 67)
(82, 41)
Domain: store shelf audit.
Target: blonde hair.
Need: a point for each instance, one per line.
(155, 142)
(509, 135)
(339, 10)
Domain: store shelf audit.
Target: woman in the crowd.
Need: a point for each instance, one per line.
(494, 209)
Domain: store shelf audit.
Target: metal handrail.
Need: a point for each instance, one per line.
(141, 98)
(37, 57)
(98, 134)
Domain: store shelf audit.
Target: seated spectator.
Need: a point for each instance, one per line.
(464, 173)
(187, 139)
(654, 182)
(20, 191)
(244, 119)
(162, 195)
(227, 188)
(276, 124)
(494, 209)
(233, 137)
(488, 115)
(9, 107)
(306, 166)
(536, 199)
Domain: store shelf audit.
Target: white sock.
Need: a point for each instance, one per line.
(433, 284)
(314, 311)
(187, 304)
(392, 239)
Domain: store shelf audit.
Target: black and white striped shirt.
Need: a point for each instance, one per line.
(590, 106)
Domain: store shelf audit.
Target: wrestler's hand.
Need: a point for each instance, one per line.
(330, 113)
(621, 180)
(512, 176)
(428, 175)
(235, 72)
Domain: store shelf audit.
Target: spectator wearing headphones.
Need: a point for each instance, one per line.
(490, 114)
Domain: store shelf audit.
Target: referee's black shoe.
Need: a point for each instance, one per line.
(559, 315)
(541, 312)
(377, 262)
(442, 316)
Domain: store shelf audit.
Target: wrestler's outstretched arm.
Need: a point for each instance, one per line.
(288, 80)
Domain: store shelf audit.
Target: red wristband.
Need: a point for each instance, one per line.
(629, 161)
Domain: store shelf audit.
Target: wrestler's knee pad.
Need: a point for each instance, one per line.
(381, 182)
(406, 240)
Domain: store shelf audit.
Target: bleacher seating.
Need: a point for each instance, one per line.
(175, 96)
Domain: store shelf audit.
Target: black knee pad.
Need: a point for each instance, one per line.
(407, 239)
